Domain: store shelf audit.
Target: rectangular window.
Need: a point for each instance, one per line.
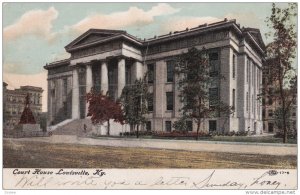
(168, 126)
(263, 113)
(189, 125)
(233, 65)
(189, 102)
(270, 113)
(214, 64)
(212, 125)
(233, 99)
(213, 97)
(213, 56)
(150, 73)
(270, 101)
(169, 97)
(65, 106)
(170, 71)
(271, 91)
(271, 127)
(150, 102)
(148, 125)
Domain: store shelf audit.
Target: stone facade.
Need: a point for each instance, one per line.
(111, 59)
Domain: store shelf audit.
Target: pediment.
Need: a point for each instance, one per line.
(92, 38)
(92, 35)
(255, 33)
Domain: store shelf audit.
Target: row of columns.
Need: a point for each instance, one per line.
(138, 73)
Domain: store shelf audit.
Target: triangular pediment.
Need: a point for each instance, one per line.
(255, 33)
(93, 35)
(92, 38)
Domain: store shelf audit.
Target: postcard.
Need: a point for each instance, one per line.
(194, 96)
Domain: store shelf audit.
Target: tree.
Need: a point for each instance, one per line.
(134, 100)
(279, 119)
(102, 109)
(282, 51)
(194, 81)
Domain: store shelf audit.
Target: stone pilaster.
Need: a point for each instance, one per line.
(89, 82)
(75, 95)
(121, 75)
(138, 68)
(104, 77)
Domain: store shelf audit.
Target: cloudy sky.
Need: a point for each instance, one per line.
(35, 33)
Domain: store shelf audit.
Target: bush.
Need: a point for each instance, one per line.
(180, 134)
(133, 133)
(290, 135)
(231, 133)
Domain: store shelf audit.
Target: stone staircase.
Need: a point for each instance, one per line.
(75, 127)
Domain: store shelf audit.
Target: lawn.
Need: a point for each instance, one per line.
(23, 154)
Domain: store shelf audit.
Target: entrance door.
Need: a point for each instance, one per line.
(270, 127)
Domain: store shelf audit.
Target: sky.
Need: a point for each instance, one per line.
(36, 33)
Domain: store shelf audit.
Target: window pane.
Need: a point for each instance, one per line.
(170, 71)
(189, 125)
(213, 56)
(214, 64)
(150, 102)
(270, 113)
(148, 126)
(169, 96)
(212, 125)
(233, 66)
(213, 97)
(168, 126)
(150, 73)
(233, 99)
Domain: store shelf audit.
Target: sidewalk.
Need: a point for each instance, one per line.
(229, 147)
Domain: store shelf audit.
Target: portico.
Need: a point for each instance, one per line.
(115, 73)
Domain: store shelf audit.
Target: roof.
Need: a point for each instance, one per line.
(31, 88)
(255, 33)
(97, 36)
(57, 63)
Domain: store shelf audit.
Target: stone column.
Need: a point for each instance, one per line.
(104, 77)
(75, 95)
(138, 68)
(121, 75)
(89, 83)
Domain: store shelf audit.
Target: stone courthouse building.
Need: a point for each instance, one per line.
(110, 59)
